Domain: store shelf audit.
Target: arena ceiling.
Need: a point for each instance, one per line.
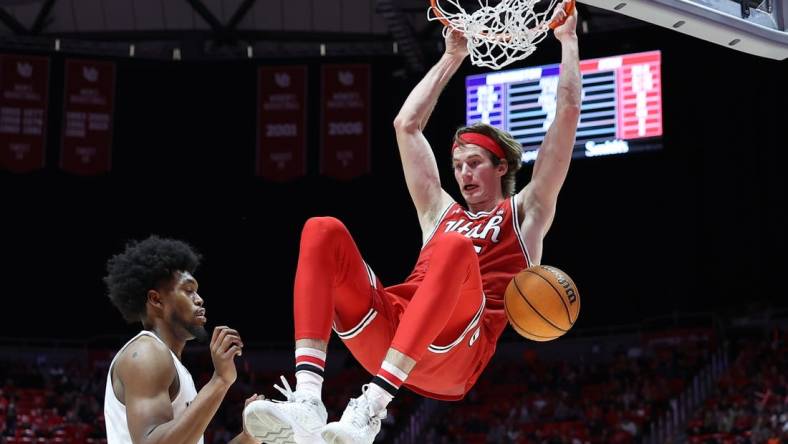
(211, 29)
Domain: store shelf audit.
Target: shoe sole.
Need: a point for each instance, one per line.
(267, 427)
(331, 437)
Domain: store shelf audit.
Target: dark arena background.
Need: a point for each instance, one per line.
(678, 253)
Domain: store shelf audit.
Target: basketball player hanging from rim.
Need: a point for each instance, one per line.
(437, 331)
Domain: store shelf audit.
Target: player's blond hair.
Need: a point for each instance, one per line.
(510, 147)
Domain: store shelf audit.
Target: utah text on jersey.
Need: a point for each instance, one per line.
(486, 231)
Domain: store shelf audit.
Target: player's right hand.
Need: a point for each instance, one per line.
(565, 23)
(456, 44)
(226, 344)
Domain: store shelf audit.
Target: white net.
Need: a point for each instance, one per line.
(499, 32)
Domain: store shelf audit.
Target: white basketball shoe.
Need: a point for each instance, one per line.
(359, 423)
(298, 419)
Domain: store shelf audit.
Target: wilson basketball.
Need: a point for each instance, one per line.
(542, 303)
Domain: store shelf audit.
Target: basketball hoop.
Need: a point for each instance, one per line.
(497, 34)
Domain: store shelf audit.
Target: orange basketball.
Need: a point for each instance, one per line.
(542, 303)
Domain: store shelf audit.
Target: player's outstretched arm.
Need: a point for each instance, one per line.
(147, 372)
(539, 197)
(418, 160)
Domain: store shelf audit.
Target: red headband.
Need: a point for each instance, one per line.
(483, 141)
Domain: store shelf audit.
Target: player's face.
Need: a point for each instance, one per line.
(185, 306)
(478, 178)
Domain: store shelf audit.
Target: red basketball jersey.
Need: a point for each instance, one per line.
(502, 252)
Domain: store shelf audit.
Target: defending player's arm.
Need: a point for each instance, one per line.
(243, 438)
(147, 372)
(418, 160)
(538, 199)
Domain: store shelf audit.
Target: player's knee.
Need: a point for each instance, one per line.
(323, 228)
(456, 244)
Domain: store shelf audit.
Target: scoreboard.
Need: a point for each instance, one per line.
(621, 107)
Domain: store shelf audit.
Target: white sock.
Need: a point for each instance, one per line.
(378, 397)
(308, 382)
(310, 365)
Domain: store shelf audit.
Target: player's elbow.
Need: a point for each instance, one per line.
(406, 124)
(569, 112)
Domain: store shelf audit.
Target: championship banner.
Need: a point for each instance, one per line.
(281, 122)
(87, 117)
(24, 85)
(344, 125)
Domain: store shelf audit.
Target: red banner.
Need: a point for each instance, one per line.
(344, 126)
(87, 117)
(281, 122)
(24, 84)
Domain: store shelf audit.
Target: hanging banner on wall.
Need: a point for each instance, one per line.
(344, 123)
(24, 99)
(88, 104)
(281, 122)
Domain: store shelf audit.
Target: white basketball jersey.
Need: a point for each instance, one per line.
(115, 411)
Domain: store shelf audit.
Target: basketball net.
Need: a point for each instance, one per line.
(497, 34)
